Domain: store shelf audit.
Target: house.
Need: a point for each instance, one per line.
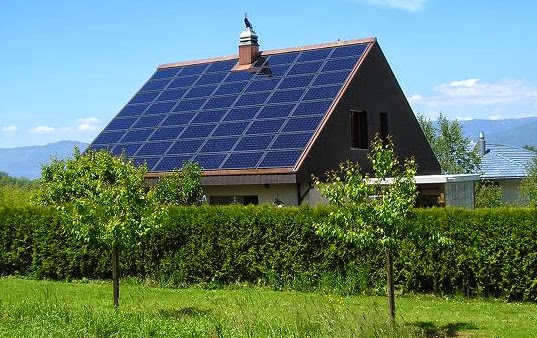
(505, 166)
(261, 123)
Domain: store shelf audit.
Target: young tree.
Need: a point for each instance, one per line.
(102, 196)
(529, 184)
(180, 187)
(451, 147)
(371, 210)
(488, 195)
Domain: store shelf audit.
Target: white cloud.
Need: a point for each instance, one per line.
(473, 91)
(408, 5)
(42, 130)
(9, 129)
(88, 124)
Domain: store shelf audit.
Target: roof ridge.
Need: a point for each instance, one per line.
(270, 52)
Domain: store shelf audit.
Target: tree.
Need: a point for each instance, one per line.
(488, 194)
(102, 196)
(451, 147)
(180, 187)
(530, 147)
(371, 210)
(529, 183)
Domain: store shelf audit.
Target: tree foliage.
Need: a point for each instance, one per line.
(371, 209)
(180, 187)
(488, 195)
(103, 195)
(529, 184)
(451, 147)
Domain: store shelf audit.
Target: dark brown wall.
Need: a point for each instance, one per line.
(373, 89)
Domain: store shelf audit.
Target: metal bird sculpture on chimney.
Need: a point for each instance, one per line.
(247, 22)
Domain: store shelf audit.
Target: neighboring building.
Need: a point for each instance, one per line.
(262, 123)
(505, 166)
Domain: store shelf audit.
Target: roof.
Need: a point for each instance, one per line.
(260, 121)
(505, 162)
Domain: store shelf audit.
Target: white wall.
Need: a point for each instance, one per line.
(287, 193)
(511, 192)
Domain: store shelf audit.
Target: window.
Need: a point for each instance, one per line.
(384, 126)
(226, 200)
(359, 137)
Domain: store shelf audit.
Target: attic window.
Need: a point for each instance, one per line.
(359, 137)
(383, 126)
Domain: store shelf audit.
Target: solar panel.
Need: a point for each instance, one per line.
(339, 64)
(280, 159)
(209, 116)
(198, 131)
(260, 118)
(321, 93)
(165, 73)
(166, 133)
(144, 97)
(281, 110)
(107, 137)
(259, 142)
(286, 96)
(138, 135)
(130, 110)
(230, 129)
(185, 146)
(200, 91)
(291, 141)
(304, 68)
(242, 160)
(171, 94)
(331, 78)
(154, 148)
(149, 161)
(122, 123)
(220, 102)
(189, 105)
(209, 162)
(185, 81)
(149, 121)
(312, 108)
(252, 99)
(128, 149)
(155, 85)
(296, 81)
(303, 123)
(245, 113)
(219, 144)
(193, 69)
(178, 119)
(231, 88)
(159, 108)
(265, 126)
(170, 163)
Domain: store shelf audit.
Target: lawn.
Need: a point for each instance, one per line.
(31, 308)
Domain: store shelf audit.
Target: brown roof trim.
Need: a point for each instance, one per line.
(334, 104)
(270, 52)
(236, 172)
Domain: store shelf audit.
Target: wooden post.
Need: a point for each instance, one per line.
(389, 285)
(115, 274)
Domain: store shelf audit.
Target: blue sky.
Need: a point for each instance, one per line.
(67, 67)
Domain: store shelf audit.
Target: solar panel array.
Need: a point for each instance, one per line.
(225, 119)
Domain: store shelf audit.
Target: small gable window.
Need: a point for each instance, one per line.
(359, 137)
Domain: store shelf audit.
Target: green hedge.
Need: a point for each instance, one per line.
(489, 252)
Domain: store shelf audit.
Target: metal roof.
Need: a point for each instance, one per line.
(505, 162)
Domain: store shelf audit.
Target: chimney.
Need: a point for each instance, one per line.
(481, 144)
(248, 46)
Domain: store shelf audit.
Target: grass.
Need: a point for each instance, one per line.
(30, 308)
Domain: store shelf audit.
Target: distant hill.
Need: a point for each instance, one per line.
(513, 132)
(27, 161)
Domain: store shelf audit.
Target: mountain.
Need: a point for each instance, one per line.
(513, 132)
(27, 161)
